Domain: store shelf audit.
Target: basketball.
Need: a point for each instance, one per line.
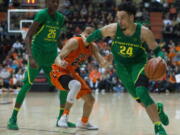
(155, 68)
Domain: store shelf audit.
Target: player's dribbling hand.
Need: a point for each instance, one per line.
(164, 76)
(32, 62)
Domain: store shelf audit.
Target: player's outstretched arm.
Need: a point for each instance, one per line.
(148, 37)
(106, 31)
(70, 45)
(99, 57)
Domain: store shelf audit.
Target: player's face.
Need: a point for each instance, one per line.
(88, 31)
(124, 19)
(53, 4)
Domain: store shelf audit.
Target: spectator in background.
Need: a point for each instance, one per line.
(94, 77)
(139, 15)
(13, 82)
(17, 46)
(105, 83)
(172, 11)
(177, 32)
(1, 29)
(178, 18)
(5, 75)
(116, 85)
(167, 21)
(167, 31)
(83, 11)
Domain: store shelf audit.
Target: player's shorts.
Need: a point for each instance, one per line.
(44, 57)
(129, 74)
(58, 72)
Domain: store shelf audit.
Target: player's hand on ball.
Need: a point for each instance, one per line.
(155, 69)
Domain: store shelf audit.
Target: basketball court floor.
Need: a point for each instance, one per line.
(114, 113)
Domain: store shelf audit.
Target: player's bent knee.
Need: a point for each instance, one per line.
(143, 94)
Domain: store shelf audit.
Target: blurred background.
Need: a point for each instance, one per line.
(161, 16)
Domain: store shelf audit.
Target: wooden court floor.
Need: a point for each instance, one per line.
(114, 113)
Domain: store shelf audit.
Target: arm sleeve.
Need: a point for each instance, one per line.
(158, 52)
(96, 35)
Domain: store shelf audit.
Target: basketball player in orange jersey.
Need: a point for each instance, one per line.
(64, 76)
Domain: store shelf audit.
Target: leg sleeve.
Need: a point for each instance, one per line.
(30, 75)
(141, 83)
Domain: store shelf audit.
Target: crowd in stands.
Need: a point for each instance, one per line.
(79, 13)
(13, 67)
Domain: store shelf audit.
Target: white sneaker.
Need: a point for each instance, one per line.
(63, 122)
(87, 126)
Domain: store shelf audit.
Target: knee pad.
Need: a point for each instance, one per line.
(143, 94)
(142, 81)
(74, 88)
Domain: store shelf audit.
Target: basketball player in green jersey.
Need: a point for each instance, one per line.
(130, 57)
(42, 41)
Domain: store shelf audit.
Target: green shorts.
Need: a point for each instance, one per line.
(44, 59)
(129, 74)
(31, 73)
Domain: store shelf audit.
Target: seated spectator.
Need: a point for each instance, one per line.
(94, 77)
(5, 75)
(17, 46)
(117, 86)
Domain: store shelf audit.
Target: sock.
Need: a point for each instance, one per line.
(84, 119)
(22, 93)
(60, 112)
(157, 123)
(20, 98)
(66, 112)
(15, 112)
(62, 99)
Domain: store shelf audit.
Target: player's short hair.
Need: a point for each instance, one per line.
(129, 7)
(87, 25)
